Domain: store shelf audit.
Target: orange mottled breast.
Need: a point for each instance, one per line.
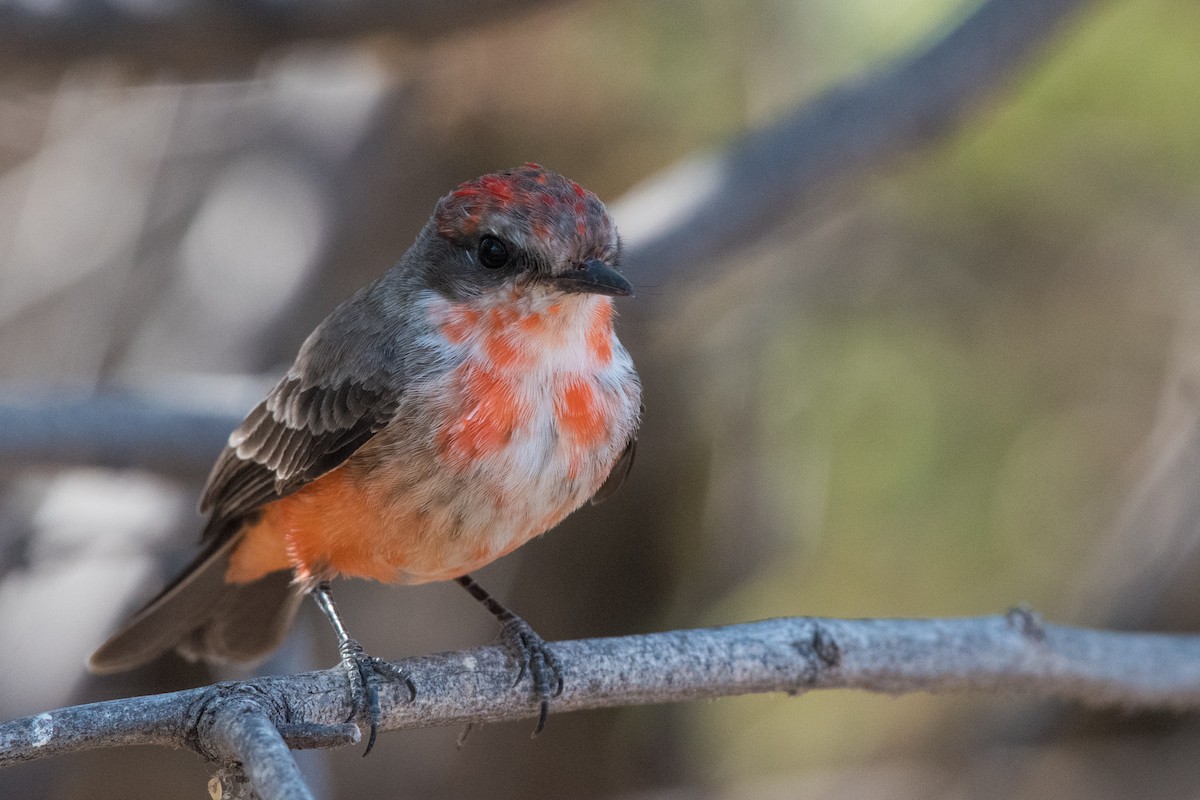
(579, 413)
(494, 399)
(493, 408)
(529, 412)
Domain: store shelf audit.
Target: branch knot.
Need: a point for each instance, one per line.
(212, 711)
(821, 655)
(1027, 622)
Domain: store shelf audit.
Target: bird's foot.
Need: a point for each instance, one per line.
(365, 672)
(536, 660)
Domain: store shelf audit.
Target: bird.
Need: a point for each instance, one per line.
(462, 404)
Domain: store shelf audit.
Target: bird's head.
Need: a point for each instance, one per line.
(523, 228)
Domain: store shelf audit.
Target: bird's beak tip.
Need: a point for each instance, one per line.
(596, 277)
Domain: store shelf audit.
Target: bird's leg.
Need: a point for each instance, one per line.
(363, 671)
(531, 652)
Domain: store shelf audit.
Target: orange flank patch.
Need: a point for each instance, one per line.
(491, 412)
(599, 334)
(336, 525)
(263, 549)
(580, 414)
(325, 528)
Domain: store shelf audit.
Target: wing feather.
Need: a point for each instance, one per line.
(294, 436)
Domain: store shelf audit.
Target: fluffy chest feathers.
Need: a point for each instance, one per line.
(538, 383)
(529, 405)
(526, 408)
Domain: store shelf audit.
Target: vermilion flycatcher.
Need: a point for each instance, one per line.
(462, 404)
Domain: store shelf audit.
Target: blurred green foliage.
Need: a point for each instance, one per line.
(950, 429)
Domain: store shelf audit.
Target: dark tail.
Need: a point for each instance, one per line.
(205, 618)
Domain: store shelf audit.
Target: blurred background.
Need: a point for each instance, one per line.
(967, 377)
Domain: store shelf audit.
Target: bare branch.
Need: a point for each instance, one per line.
(1012, 653)
(203, 36)
(111, 429)
(723, 200)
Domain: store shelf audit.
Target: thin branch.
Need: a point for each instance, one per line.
(711, 204)
(111, 429)
(1012, 653)
(206, 36)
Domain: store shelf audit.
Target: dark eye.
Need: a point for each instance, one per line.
(492, 252)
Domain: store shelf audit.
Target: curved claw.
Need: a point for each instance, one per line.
(364, 673)
(537, 661)
(393, 673)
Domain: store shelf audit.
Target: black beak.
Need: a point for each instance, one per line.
(595, 277)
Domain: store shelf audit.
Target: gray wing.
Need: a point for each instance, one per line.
(294, 436)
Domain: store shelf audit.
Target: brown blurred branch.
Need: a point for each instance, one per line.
(202, 37)
(246, 722)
